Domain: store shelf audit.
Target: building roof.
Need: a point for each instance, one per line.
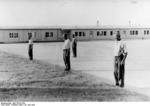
(74, 27)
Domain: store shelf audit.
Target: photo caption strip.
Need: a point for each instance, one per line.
(16, 104)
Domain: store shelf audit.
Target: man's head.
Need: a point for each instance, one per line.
(65, 36)
(30, 37)
(118, 36)
(73, 36)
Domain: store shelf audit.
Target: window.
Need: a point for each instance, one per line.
(10, 35)
(147, 32)
(131, 32)
(111, 32)
(13, 35)
(80, 33)
(48, 34)
(144, 32)
(29, 35)
(104, 33)
(101, 33)
(76, 33)
(136, 32)
(83, 33)
(51, 34)
(98, 33)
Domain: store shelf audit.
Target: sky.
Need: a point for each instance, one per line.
(74, 12)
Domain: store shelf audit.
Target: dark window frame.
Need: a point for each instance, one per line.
(84, 34)
(46, 34)
(51, 34)
(76, 33)
(13, 35)
(98, 33)
(104, 33)
(111, 33)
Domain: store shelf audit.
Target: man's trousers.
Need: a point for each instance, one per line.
(66, 57)
(30, 52)
(119, 71)
(74, 49)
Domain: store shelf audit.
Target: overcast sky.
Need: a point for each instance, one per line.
(74, 12)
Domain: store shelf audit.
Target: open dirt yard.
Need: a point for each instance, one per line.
(91, 78)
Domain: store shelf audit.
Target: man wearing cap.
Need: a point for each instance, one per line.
(120, 54)
(66, 52)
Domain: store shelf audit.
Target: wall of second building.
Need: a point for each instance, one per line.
(106, 34)
(80, 34)
(109, 34)
(138, 33)
(93, 34)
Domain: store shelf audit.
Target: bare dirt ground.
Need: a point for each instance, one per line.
(24, 80)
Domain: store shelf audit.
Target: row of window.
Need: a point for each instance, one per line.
(104, 33)
(79, 33)
(15, 35)
(146, 32)
(134, 32)
(99, 33)
(91, 33)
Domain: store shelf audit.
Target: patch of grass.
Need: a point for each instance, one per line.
(39, 81)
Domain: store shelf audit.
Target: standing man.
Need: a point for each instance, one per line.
(120, 54)
(66, 52)
(74, 46)
(30, 48)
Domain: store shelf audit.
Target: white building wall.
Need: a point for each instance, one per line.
(59, 35)
(1, 36)
(39, 34)
(9, 35)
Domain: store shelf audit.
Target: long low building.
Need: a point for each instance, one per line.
(22, 34)
(48, 34)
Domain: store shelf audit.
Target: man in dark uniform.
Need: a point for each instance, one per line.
(74, 46)
(30, 48)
